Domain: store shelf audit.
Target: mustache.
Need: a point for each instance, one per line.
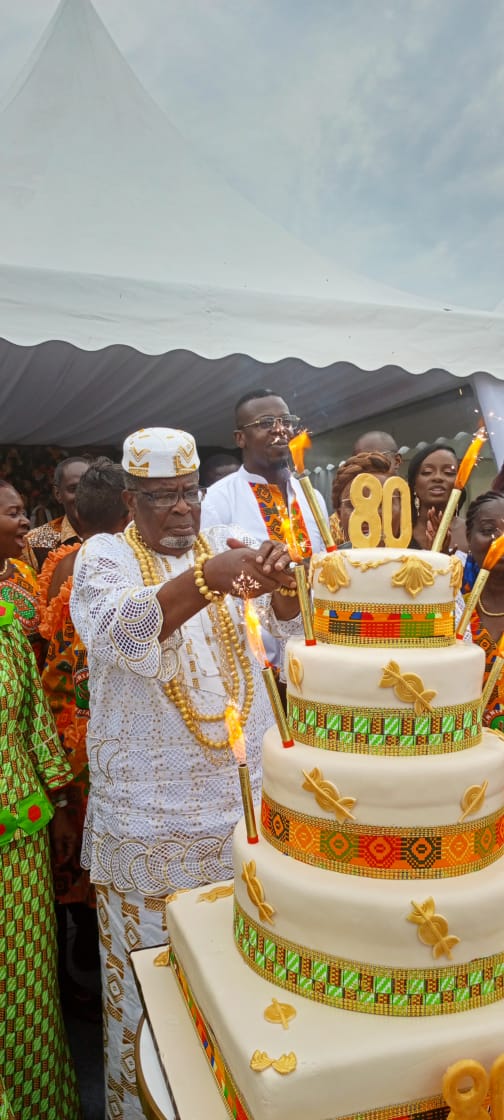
(178, 542)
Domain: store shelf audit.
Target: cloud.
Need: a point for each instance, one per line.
(373, 131)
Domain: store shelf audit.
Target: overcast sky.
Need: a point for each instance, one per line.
(373, 129)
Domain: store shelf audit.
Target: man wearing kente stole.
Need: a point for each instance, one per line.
(160, 609)
(263, 493)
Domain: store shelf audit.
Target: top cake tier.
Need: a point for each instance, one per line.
(385, 597)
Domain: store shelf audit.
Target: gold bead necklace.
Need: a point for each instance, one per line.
(234, 654)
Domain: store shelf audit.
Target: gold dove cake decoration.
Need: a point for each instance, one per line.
(260, 1061)
(408, 687)
(432, 929)
(328, 796)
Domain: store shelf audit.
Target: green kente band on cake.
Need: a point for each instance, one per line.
(376, 852)
(387, 731)
(374, 990)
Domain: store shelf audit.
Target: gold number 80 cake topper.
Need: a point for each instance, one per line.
(373, 506)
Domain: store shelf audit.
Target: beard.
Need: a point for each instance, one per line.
(179, 543)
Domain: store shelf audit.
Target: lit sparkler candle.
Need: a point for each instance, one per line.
(492, 557)
(237, 744)
(494, 673)
(465, 468)
(257, 646)
(297, 447)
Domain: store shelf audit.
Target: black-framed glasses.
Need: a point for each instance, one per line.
(266, 423)
(167, 499)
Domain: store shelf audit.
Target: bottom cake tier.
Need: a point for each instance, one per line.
(307, 1061)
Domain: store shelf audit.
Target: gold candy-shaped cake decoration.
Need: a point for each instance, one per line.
(255, 891)
(414, 574)
(472, 800)
(216, 893)
(260, 1061)
(328, 796)
(433, 929)
(162, 960)
(281, 1013)
(295, 671)
(408, 687)
(333, 572)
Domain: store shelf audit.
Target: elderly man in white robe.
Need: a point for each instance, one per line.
(160, 612)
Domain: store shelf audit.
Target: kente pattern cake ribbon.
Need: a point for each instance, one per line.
(428, 1108)
(373, 624)
(387, 731)
(353, 848)
(372, 989)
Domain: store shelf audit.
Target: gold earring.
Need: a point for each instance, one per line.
(416, 502)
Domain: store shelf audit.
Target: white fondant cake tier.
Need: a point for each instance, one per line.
(350, 676)
(374, 575)
(390, 792)
(346, 1064)
(365, 920)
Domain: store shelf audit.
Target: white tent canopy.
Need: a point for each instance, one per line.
(136, 286)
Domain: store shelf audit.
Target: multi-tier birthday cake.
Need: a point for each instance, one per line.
(360, 950)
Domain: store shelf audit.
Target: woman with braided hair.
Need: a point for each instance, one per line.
(485, 522)
(365, 462)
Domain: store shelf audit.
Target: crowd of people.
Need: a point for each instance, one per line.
(123, 644)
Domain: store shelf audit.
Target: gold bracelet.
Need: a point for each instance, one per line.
(199, 579)
(288, 591)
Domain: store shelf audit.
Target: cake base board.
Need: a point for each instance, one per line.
(348, 1063)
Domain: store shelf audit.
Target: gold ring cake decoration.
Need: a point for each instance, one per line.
(408, 687)
(281, 1013)
(384, 852)
(328, 796)
(260, 1061)
(255, 892)
(467, 1103)
(472, 800)
(433, 929)
(217, 893)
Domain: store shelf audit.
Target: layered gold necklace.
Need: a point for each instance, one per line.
(234, 654)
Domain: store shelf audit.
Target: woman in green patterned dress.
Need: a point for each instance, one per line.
(37, 1079)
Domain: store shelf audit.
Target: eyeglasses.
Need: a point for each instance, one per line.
(266, 423)
(167, 499)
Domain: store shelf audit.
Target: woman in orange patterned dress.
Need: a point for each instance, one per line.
(485, 522)
(18, 582)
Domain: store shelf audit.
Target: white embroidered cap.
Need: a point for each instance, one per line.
(159, 453)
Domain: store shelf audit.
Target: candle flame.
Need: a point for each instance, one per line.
(470, 457)
(253, 627)
(290, 539)
(297, 449)
(235, 734)
(494, 553)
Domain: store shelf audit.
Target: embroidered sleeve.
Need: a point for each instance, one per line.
(118, 619)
